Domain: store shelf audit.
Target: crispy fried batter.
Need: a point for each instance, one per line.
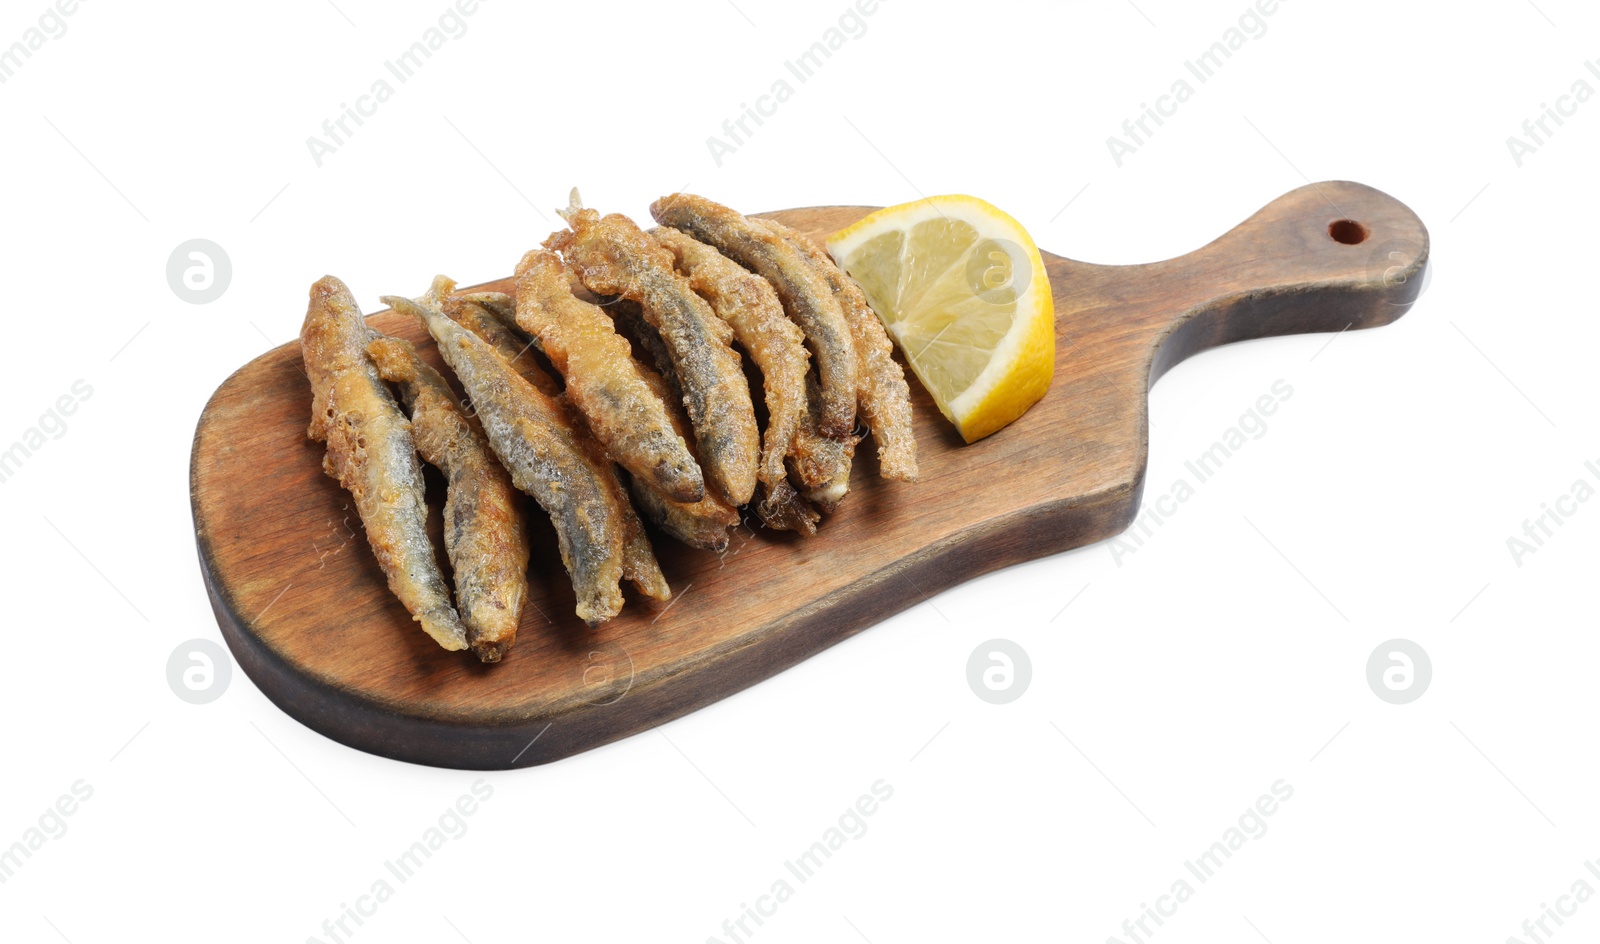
(806, 297)
(484, 533)
(648, 346)
(749, 305)
(370, 453)
(703, 524)
(639, 564)
(527, 431)
(613, 256)
(782, 508)
(603, 380)
(883, 399)
(821, 463)
(477, 317)
(502, 306)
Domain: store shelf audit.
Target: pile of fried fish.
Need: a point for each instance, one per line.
(584, 406)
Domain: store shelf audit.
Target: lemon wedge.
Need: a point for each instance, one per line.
(960, 287)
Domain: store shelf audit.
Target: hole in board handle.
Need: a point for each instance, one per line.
(1348, 232)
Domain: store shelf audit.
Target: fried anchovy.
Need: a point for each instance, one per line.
(502, 306)
(806, 297)
(476, 316)
(613, 256)
(484, 533)
(703, 524)
(777, 346)
(646, 340)
(821, 463)
(782, 508)
(883, 399)
(638, 560)
(370, 453)
(639, 564)
(524, 430)
(603, 380)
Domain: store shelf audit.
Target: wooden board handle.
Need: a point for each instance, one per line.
(1325, 257)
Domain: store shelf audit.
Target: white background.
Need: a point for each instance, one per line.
(1181, 682)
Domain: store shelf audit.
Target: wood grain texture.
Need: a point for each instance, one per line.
(306, 611)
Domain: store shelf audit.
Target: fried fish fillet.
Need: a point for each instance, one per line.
(603, 380)
(370, 453)
(484, 532)
(527, 431)
(806, 297)
(703, 524)
(613, 256)
(751, 308)
(883, 399)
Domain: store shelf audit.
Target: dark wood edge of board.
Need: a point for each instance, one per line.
(361, 722)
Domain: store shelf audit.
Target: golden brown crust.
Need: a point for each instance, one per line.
(749, 305)
(484, 532)
(648, 347)
(703, 524)
(883, 396)
(613, 256)
(639, 565)
(603, 380)
(806, 298)
(516, 348)
(370, 453)
(782, 509)
(693, 524)
(502, 306)
(528, 432)
(777, 345)
(821, 464)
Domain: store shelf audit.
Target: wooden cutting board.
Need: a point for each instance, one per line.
(306, 611)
